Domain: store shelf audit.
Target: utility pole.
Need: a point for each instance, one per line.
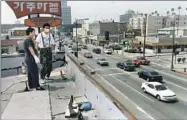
(76, 54)
(173, 49)
(118, 33)
(144, 32)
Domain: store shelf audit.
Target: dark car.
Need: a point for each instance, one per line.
(135, 62)
(150, 76)
(128, 66)
(84, 47)
(97, 50)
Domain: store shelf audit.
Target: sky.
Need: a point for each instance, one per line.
(100, 10)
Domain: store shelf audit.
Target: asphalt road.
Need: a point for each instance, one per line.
(128, 83)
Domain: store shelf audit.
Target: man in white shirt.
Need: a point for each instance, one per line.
(46, 43)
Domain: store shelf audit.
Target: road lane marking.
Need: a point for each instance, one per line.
(124, 96)
(175, 85)
(104, 69)
(144, 112)
(114, 74)
(133, 89)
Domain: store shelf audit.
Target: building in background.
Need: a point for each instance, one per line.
(9, 46)
(95, 32)
(182, 31)
(126, 17)
(66, 13)
(153, 24)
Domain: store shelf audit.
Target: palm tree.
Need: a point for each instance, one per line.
(168, 13)
(172, 10)
(156, 12)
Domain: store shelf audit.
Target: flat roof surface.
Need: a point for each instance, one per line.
(48, 104)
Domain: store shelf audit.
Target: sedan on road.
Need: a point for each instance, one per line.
(143, 60)
(150, 76)
(107, 51)
(102, 61)
(84, 47)
(88, 55)
(97, 50)
(127, 65)
(158, 90)
(136, 63)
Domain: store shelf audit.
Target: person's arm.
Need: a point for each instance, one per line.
(52, 42)
(38, 38)
(29, 44)
(32, 51)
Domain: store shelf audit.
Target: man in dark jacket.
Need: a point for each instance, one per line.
(31, 59)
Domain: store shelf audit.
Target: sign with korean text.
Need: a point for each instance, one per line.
(129, 35)
(39, 21)
(24, 8)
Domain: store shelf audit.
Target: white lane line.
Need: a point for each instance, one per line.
(144, 112)
(89, 67)
(171, 75)
(105, 69)
(114, 74)
(137, 106)
(133, 89)
(175, 85)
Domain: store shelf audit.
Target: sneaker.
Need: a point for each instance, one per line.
(33, 89)
(48, 78)
(40, 88)
(42, 81)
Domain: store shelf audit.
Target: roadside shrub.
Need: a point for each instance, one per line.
(183, 60)
(178, 60)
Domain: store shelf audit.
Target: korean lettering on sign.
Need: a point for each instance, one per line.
(23, 8)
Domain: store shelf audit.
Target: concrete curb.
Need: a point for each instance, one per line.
(181, 72)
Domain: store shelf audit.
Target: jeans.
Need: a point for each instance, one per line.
(32, 72)
(46, 61)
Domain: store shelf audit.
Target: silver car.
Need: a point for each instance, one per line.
(102, 61)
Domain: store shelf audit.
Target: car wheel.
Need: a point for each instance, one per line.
(158, 97)
(139, 75)
(144, 90)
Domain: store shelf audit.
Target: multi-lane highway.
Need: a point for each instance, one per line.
(128, 83)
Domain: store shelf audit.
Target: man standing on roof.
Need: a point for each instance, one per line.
(45, 43)
(31, 59)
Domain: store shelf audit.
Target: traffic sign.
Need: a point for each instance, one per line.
(39, 21)
(23, 8)
(129, 35)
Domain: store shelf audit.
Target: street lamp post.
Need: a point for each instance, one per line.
(76, 54)
(172, 66)
(145, 22)
(76, 24)
(118, 33)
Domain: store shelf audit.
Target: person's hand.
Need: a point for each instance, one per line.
(37, 60)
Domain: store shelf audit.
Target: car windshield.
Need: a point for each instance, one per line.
(154, 73)
(103, 59)
(142, 58)
(129, 63)
(160, 87)
(129, 60)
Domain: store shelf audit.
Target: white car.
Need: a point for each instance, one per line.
(107, 51)
(160, 91)
(102, 61)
